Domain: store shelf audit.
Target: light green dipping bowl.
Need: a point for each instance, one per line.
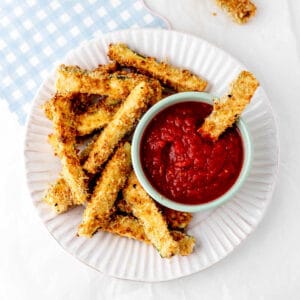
(136, 148)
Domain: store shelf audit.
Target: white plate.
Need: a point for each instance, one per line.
(217, 232)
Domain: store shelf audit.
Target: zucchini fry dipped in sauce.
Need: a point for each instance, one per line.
(121, 124)
(65, 129)
(226, 110)
(180, 80)
(113, 178)
(154, 224)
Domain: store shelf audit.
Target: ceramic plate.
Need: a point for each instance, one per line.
(219, 231)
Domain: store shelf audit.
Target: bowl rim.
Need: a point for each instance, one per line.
(137, 165)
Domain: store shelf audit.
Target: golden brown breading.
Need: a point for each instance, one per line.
(107, 68)
(113, 178)
(180, 80)
(123, 206)
(121, 124)
(65, 128)
(229, 107)
(127, 226)
(100, 117)
(116, 86)
(59, 196)
(175, 219)
(241, 11)
(145, 210)
(83, 154)
(96, 116)
(130, 227)
(53, 141)
(47, 107)
(186, 242)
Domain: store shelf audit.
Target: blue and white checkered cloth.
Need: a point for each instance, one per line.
(35, 33)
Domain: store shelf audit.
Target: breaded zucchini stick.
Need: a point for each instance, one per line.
(241, 11)
(226, 110)
(130, 227)
(113, 178)
(59, 196)
(179, 79)
(65, 129)
(146, 211)
(116, 86)
(94, 118)
(121, 124)
(175, 219)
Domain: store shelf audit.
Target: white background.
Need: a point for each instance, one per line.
(265, 266)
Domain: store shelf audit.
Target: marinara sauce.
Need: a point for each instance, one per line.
(181, 164)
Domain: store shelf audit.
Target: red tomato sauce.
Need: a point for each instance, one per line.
(181, 164)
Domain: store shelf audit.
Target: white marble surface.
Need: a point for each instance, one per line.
(265, 266)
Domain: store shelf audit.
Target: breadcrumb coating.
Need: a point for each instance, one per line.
(226, 110)
(117, 86)
(64, 130)
(241, 11)
(130, 227)
(145, 210)
(113, 178)
(180, 79)
(59, 196)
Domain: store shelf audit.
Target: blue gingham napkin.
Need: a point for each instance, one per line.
(35, 33)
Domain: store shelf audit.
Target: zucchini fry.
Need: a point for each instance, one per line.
(181, 80)
(146, 211)
(121, 124)
(130, 227)
(96, 117)
(116, 86)
(65, 129)
(226, 110)
(241, 11)
(112, 180)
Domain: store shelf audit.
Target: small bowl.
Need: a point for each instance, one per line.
(137, 165)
